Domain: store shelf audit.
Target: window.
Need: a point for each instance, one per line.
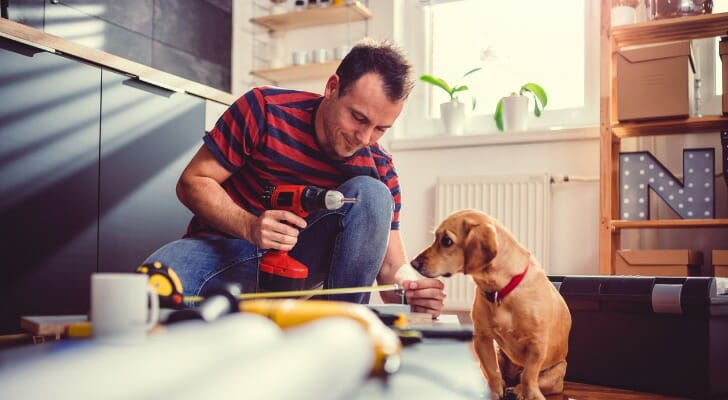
(553, 43)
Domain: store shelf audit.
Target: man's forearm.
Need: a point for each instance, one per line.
(209, 201)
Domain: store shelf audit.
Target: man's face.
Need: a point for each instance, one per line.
(357, 119)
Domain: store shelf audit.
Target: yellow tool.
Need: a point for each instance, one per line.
(290, 312)
(165, 282)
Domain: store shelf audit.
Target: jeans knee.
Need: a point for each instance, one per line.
(371, 194)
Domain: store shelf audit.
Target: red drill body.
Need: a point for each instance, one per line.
(278, 270)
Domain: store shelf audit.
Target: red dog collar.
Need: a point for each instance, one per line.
(497, 296)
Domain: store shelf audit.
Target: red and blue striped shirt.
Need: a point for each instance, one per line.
(267, 137)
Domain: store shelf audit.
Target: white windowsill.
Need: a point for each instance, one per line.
(495, 139)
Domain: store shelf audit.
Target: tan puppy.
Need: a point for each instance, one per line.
(520, 320)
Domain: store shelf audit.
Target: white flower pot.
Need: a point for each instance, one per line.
(515, 113)
(453, 116)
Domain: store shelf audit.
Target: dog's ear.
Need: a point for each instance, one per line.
(480, 246)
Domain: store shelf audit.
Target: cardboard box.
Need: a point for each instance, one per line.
(658, 262)
(720, 263)
(723, 48)
(655, 81)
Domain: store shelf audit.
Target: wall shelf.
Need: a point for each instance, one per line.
(705, 124)
(612, 131)
(670, 223)
(335, 14)
(298, 72)
(671, 29)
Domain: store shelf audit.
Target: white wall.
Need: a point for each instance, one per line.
(574, 206)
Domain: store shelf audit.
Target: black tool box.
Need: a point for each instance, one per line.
(650, 334)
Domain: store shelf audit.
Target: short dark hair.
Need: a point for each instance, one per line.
(382, 58)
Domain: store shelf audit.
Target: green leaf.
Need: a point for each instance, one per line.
(437, 82)
(536, 110)
(498, 116)
(471, 71)
(537, 91)
(459, 88)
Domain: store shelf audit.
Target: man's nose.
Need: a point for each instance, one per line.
(364, 136)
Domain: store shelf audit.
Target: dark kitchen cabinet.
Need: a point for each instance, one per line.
(49, 173)
(89, 159)
(148, 135)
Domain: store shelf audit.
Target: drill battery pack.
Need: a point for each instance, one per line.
(280, 272)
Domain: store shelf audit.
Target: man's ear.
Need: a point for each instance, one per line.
(480, 246)
(332, 87)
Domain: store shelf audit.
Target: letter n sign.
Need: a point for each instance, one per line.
(640, 171)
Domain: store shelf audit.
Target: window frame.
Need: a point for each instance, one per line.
(417, 44)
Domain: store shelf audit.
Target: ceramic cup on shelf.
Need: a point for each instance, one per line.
(319, 55)
(341, 51)
(299, 57)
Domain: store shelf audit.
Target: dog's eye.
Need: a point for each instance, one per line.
(446, 241)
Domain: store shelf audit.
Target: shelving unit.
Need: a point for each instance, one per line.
(334, 14)
(612, 131)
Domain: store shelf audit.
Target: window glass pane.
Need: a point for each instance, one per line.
(515, 42)
(719, 7)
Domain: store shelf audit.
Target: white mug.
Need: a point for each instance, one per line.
(319, 56)
(341, 51)
(299, 57)
(123, 307)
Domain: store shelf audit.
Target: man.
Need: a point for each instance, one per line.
(274, 136)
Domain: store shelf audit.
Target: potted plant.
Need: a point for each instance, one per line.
(452, 112)
(511, 112)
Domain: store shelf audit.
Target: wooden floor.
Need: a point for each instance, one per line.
(581, 391)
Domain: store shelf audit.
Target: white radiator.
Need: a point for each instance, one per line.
(519, 202)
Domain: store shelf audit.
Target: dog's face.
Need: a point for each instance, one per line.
(464, 242)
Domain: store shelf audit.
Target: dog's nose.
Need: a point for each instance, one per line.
(416, 264)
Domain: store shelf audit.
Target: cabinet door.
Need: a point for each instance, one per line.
(148, 135)
(49, 163)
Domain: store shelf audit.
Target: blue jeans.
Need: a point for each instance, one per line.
(341, 248)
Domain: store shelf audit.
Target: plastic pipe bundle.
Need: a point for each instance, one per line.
(153, 369)
(326, 359)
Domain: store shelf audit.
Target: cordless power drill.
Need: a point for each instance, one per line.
(278, 270)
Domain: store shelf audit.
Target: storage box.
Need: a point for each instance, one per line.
(677, 262)
(720, 263)
(658, 335)
(655, 81)
(723, 48)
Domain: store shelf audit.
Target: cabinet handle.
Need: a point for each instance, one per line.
(152, 87)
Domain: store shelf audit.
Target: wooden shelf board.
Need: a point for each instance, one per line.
(338, 14)
(706, 124)
(670, 223)
(671, 29)
(298, 72)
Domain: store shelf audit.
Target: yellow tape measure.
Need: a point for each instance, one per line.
(169, 287)
(312, 292)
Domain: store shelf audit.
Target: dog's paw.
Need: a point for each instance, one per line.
(510, 394)
(519, 392)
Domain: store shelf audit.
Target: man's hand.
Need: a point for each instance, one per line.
(425, 295)
(276, 229)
